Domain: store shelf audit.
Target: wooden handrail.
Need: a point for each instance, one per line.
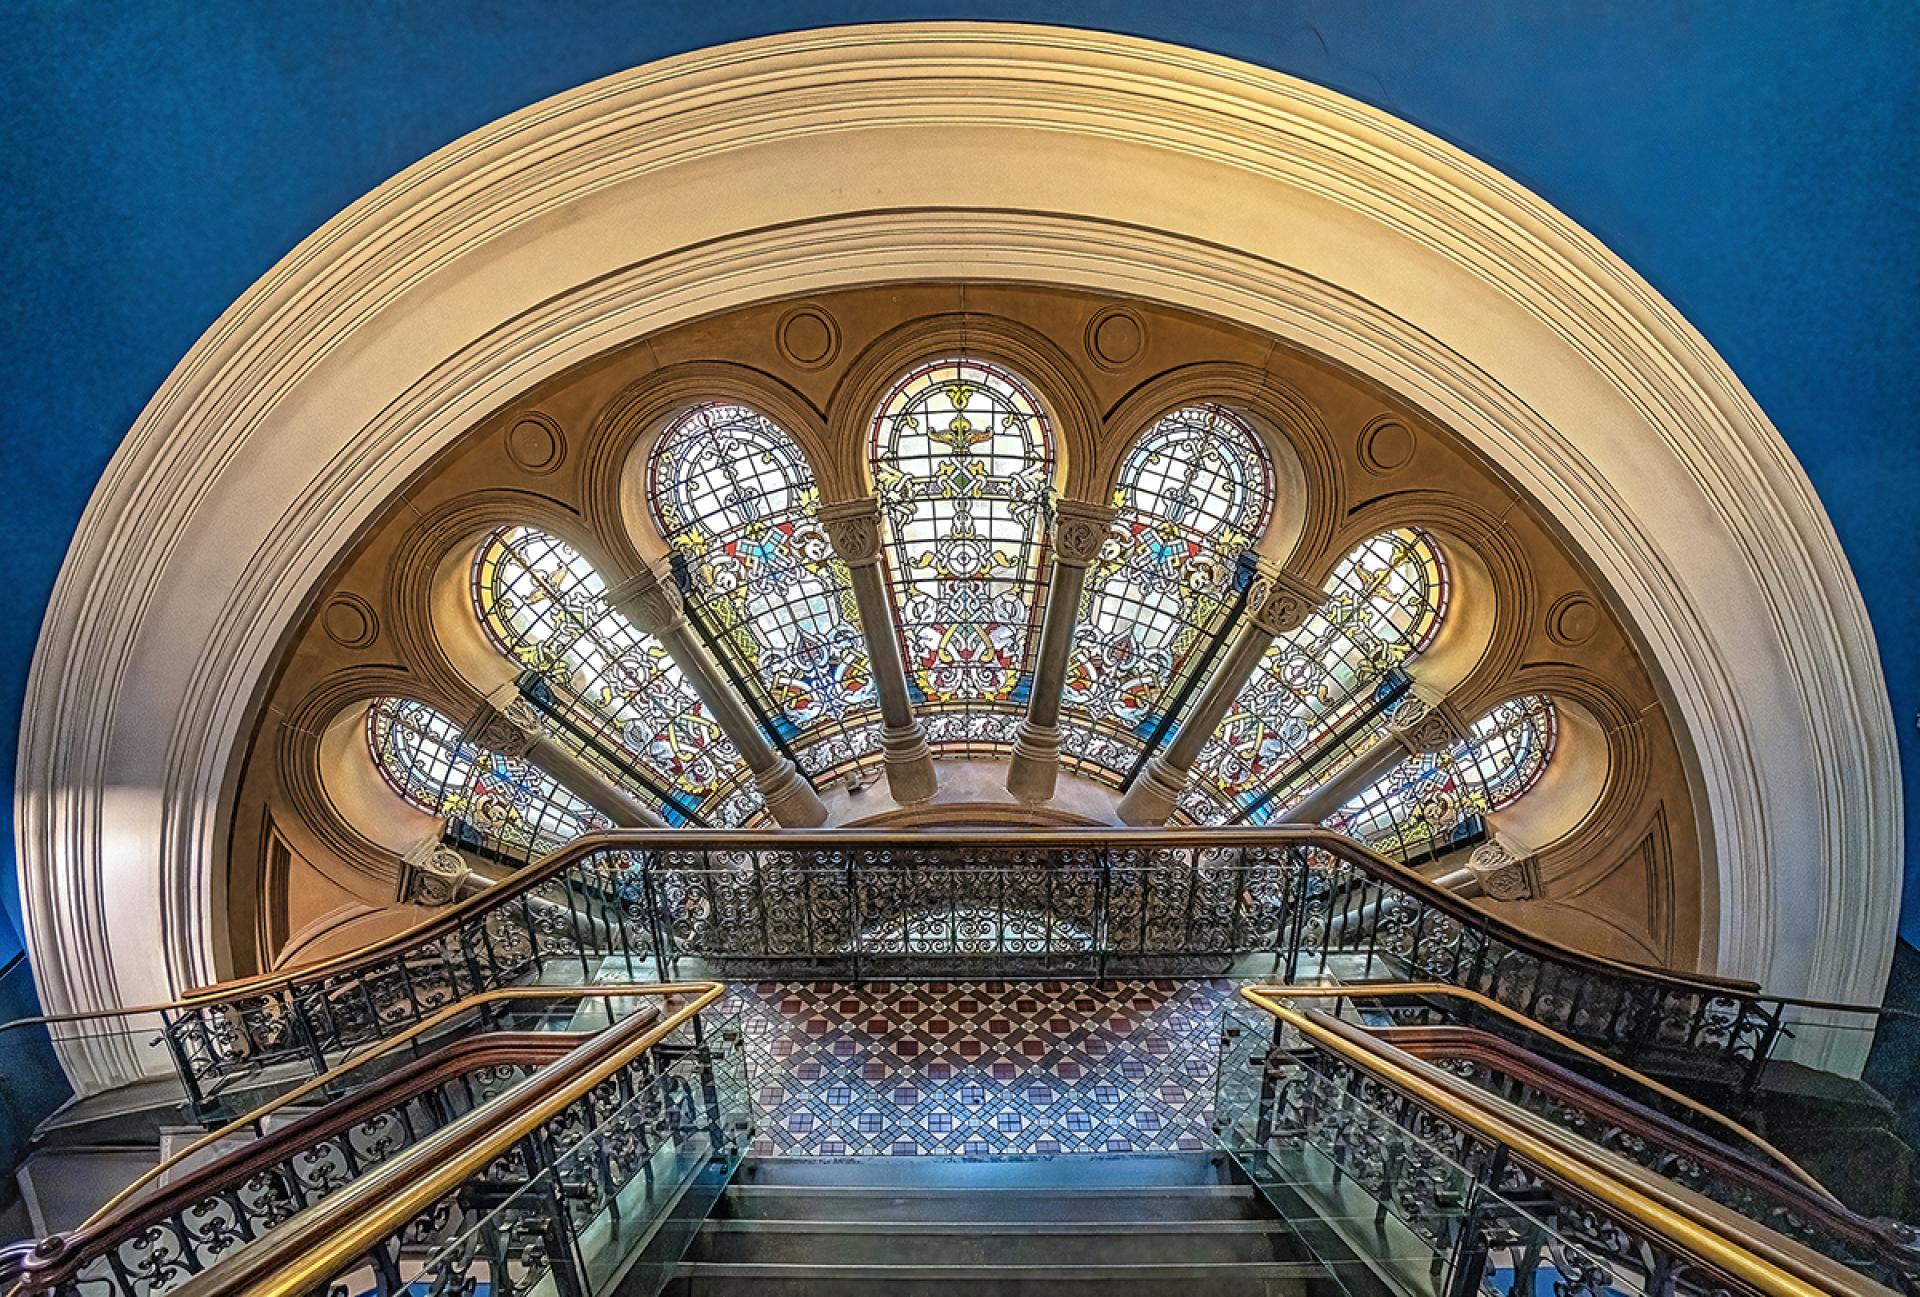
(1690, 1225)
(329, 1238)
(1504, 1057)
(59, 1258)
(1485, 1003)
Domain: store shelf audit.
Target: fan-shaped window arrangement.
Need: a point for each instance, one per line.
(502, 800)
(1321, 693)
(736, 500)
(610, 692)
(1194, 495)
(1434, 800)
(962, 463)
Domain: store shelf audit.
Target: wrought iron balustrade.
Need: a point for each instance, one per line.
(1885, 1251)
(1463, 1194)
(593, 1173)
(1290, 903)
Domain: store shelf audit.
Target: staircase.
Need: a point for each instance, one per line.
(1137, 1226)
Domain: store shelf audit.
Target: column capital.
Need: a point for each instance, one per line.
(505, 723)
(648, 600)
(853, 528)
(1279, 602)
(432, 874)
(1080, 528)
(1424, 724)
(1505, 870)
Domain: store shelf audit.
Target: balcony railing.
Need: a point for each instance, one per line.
(1293, 904)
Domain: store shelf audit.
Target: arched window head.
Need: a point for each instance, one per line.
(1321, 692)
(612, 692)
(962, 462)
(1432, 800)
(1195, 493)
(736, 501)
(510, 801)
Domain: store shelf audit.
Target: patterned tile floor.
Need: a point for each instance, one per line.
(981, 1068)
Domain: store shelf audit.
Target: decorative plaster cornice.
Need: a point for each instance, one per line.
(629, 205)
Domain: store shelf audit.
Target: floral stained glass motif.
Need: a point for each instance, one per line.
(1317, 695)
(512, 802)
(1194, 495)
(736, 500)
(621, 697)
(1427, 800)
(962, 463)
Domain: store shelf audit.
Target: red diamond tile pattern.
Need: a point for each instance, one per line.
(981, 1068)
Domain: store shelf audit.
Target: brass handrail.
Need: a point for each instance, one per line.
(385, 1046)
(1691, 1227)
(320, 1242)
(1384, 990)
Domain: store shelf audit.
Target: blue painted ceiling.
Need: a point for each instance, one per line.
(1757, 162)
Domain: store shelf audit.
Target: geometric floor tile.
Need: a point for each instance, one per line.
(977, 1068)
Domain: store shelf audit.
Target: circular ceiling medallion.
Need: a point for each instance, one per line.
(808, 337)
(1115, 338)
(1386, 445)
(1572, 619)
(535, 444)
(350, 621)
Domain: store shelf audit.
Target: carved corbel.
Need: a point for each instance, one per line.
(853, 529)
(433, 874)
(1281, 602)
(1422, 724)
(1505, 871)
(652, 604)
(1080, 530)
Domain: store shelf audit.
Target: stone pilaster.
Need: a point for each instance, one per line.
(653, 604)
(1276, 604)
(1418, 724)
(509, 724)
(1079, 530)
(853, 526)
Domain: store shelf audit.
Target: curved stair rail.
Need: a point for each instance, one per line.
(1320, 1108)
(1298, 903)
(1886, 1251)
(177, 1219)
(557, 1185)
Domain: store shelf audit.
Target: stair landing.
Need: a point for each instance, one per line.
(981, 1068)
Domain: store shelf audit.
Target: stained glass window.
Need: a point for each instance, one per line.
(1425, 801)
(1320, 694)
(623, 702)
(1194, 494)
(735, 498)
(962, 461)
(509, 800)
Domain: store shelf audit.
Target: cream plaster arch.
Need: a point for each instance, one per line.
(768, 169)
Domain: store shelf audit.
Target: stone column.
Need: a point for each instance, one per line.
(508, 724)
(1417, 725)
(854, 528)
(1079, 530)
(1275, 605)
(654, 605)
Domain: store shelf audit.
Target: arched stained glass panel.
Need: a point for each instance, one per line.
(620, 699)
(509, 800)
(1321, 693)
(1427, 801)
(962, 463)
(1194, 494)
(736, 500)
